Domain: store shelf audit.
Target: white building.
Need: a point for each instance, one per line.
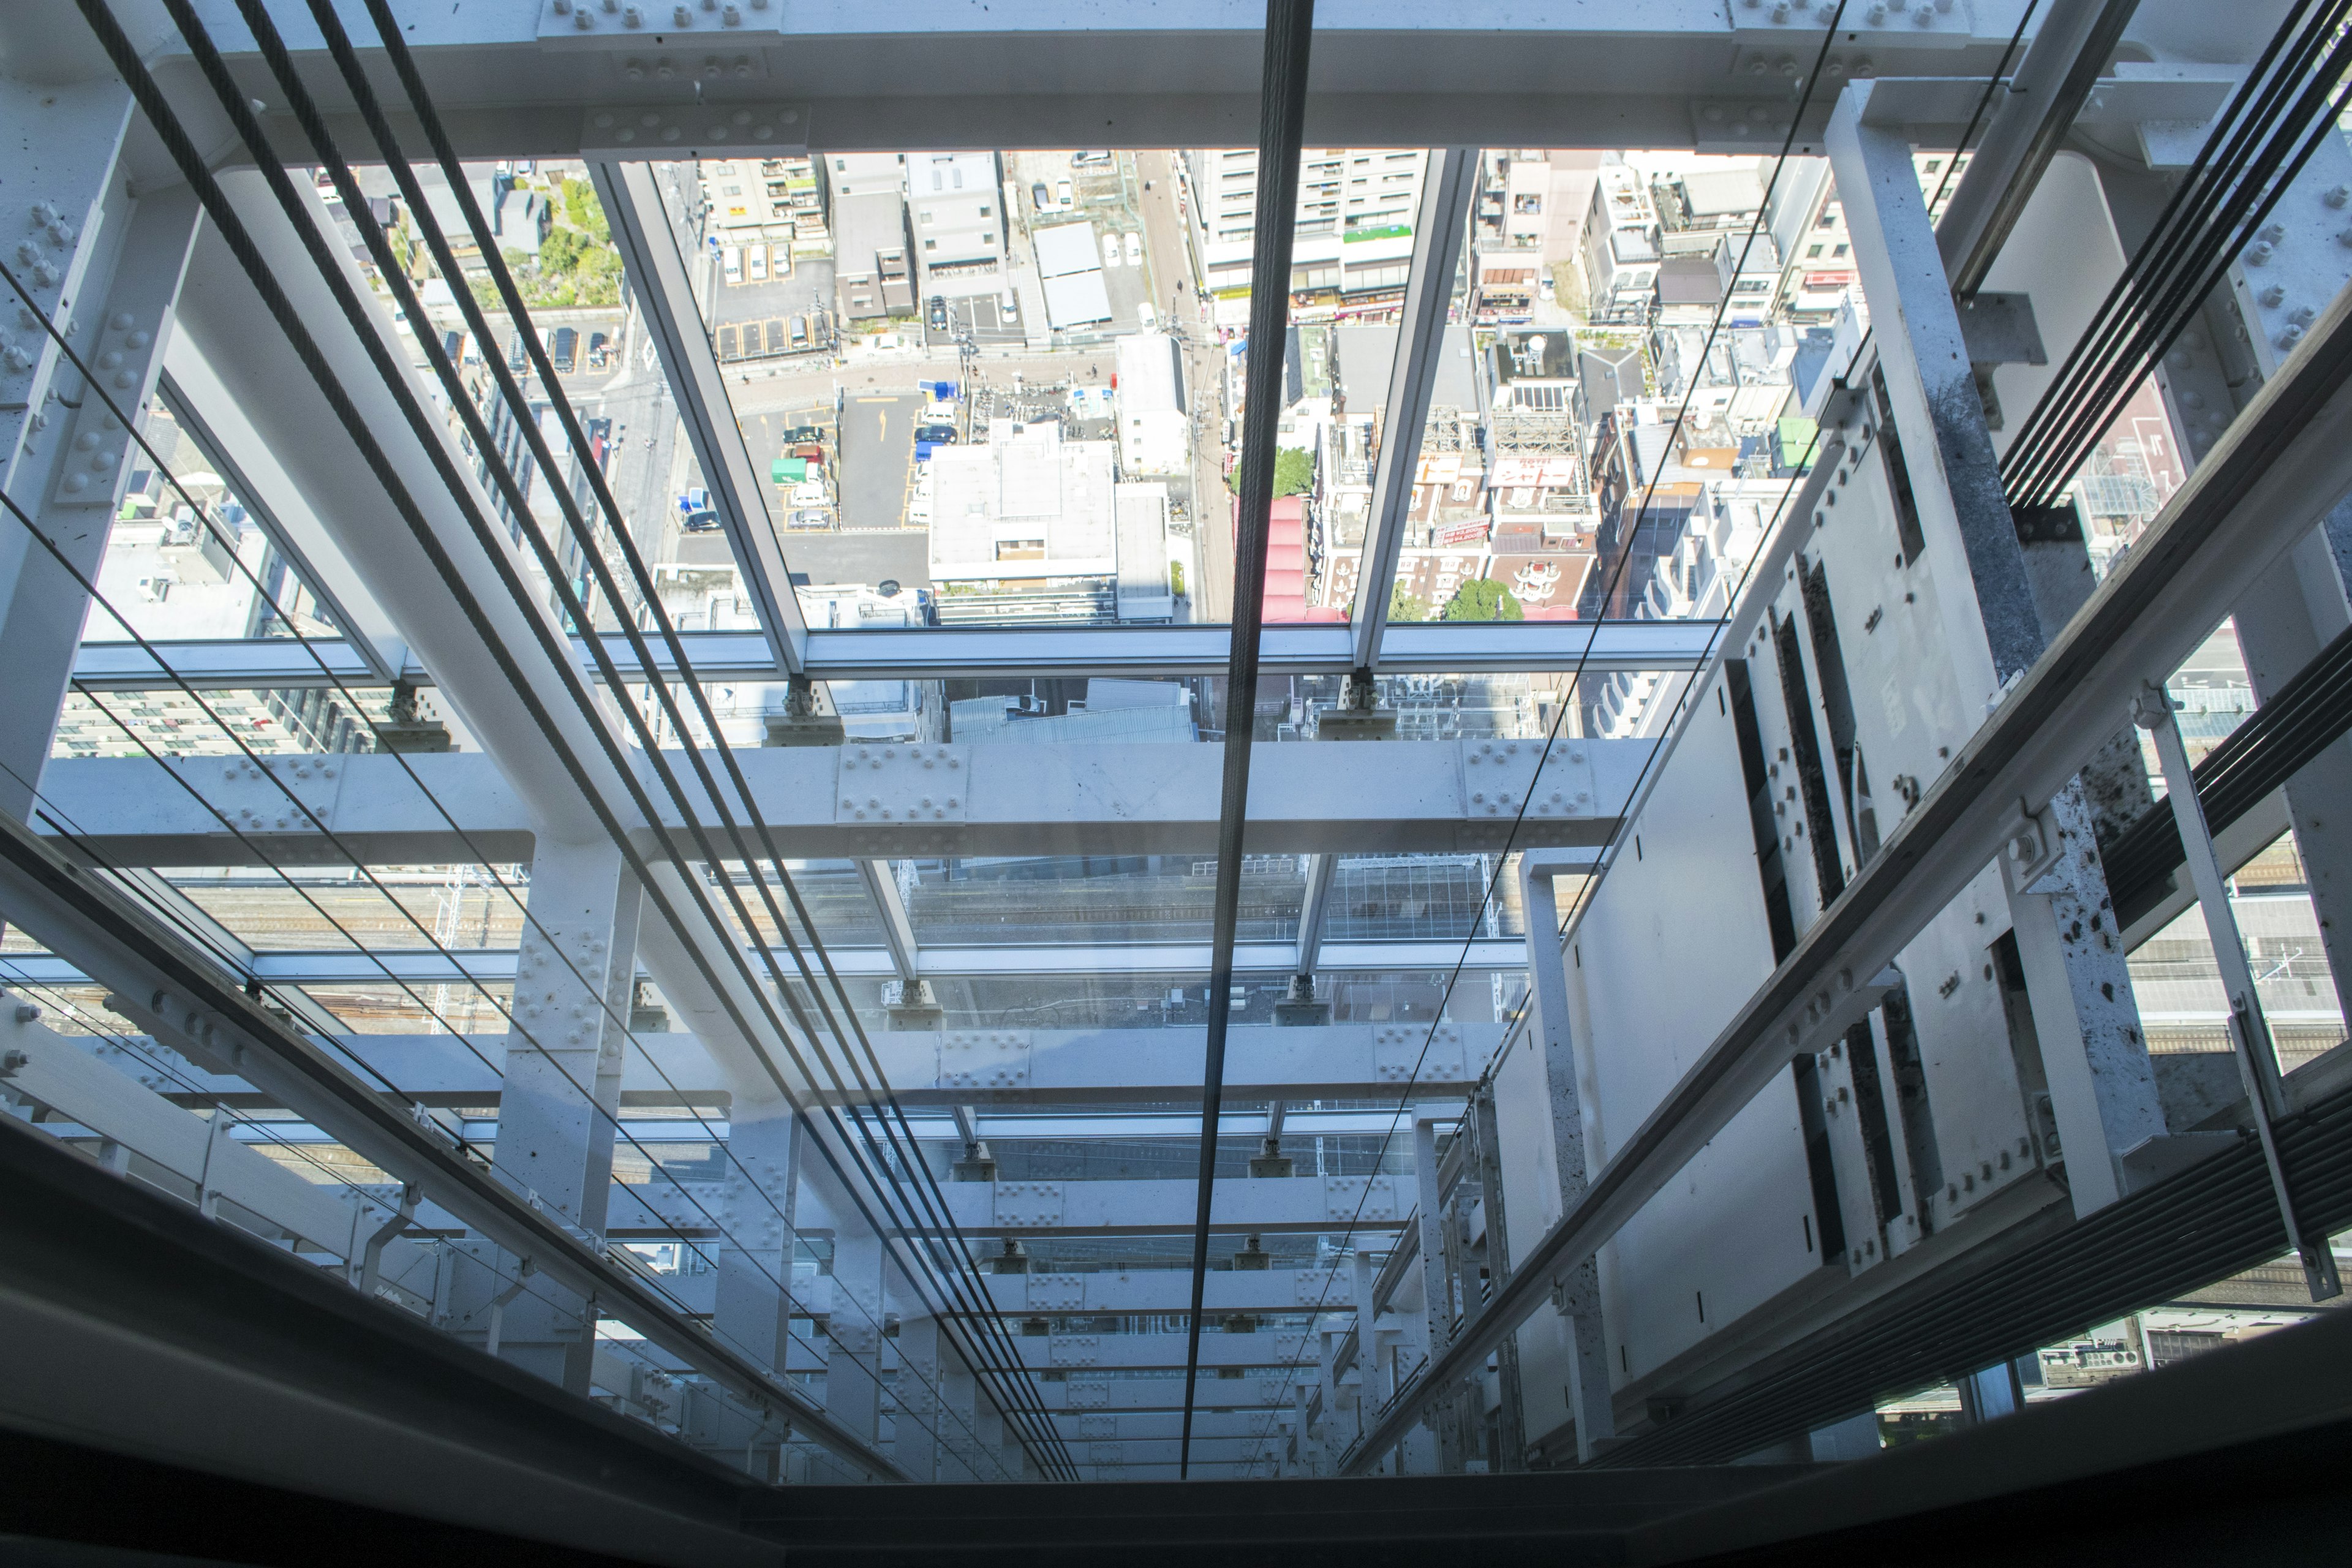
(955, 203)
(1620, 246)
(1155, 429)
(1355, 219)
(1023, 505)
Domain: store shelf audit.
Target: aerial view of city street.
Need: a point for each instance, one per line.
(1005, 388)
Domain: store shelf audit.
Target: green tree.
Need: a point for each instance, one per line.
(583, 211)
(1294, 471)
(1483, 599)
(1403, 606)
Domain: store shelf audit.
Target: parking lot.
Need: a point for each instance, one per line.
(980, 320)
(754, 317)
(1104, 194)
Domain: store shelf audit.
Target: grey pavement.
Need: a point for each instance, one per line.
(878, 458)
(902, 555)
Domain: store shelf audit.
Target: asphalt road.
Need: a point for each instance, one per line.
(878, 458)
(1164, 232)
(753, 391)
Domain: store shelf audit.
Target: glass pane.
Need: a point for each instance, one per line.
(174, 724)
(556, 240)
(1023, 404)
(190, 561)
(455, 907)
(2178, 984)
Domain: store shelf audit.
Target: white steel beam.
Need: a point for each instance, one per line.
(227, 442)
(1107, 1293)
(103, 267)
(526, 81)
(1174, 960)
(1143, 653)
(1315, 909)
(1003, 1073)
(901, 802)
(1285, 1205)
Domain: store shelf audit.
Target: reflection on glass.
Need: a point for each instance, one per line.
(2179, 988)
(183, 559)
(461, 1008)
(453, 907)
(555, 237)
(2132, 470)
(171, 723)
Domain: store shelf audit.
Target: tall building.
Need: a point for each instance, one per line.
(1353, 244)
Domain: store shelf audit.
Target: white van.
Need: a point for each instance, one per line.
(1147, 318)
(730, 263)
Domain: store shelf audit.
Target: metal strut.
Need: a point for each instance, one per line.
(2250, 1035)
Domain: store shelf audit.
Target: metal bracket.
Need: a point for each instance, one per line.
(2000, 329)
(2031, 851)
(1027, 1205)
(369, 1272)
(984, 1060)
(1396, 1047)
(705, 131)
(687, 23)
(901, 783)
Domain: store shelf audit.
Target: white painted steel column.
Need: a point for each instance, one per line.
(2102, 1089)
(562, 1090)
(1576, 1292)
(753, 1297)
(853, 1385)
(915, 1440)
(1436, 1282)
(114, 264)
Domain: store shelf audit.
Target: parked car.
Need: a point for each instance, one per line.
(1146, 317)
(1085, 156)
(1040, 197)
(755, 263)
(564, 349)
(812, 517)
(1134, 248)
(800, 331)
(518, 353)
(600, 351)
(705, 522)
(938, 434)
(1110, 248)
(1008, 307)
(1062, 193)
(730, 263)
(938, 314)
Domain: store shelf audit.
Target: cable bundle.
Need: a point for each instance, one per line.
(2287, 104)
